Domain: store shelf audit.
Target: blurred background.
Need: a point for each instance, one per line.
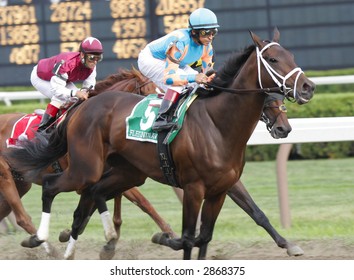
(320, 33)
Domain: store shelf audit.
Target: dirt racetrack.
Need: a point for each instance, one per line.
(325, 249)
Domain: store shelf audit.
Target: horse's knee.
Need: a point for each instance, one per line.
(117, 223)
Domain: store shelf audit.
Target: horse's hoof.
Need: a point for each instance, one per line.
(50, 250)
(295, 251)
(108, 251)
(64, 236)
(32, 242)
(69, 257)
(158, 238)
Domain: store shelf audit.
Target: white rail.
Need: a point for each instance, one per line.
(332, 80)
(308, 130)
(8, 97)
(304, 130)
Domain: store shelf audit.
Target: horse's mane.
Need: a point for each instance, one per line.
(226, 74)
(121, 75)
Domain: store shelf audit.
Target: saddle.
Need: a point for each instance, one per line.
(139, 125)
(25, 129)
(139, 122)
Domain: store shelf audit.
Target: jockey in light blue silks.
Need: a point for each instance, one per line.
(166, 60)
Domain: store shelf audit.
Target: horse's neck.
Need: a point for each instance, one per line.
(128, 85)
(237, 114)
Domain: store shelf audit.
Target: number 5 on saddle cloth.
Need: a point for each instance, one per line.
(139, 128)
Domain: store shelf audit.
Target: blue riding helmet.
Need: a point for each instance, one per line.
(203, 18)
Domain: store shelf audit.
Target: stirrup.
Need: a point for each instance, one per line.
(162, 124)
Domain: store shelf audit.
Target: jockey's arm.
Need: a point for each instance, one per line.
(58, 86)
(208, 63)
(90, 81)
(171, 75)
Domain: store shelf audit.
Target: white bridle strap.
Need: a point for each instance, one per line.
(273, 74)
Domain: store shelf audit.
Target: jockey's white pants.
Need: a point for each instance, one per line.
(153, 69)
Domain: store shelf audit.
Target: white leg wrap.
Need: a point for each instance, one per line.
(46, 247)
(108, 226)
(70, 249)
(43, 230)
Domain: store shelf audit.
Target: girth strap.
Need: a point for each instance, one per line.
(166, 161)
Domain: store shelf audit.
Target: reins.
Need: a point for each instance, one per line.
(256, 90)
(139, 86)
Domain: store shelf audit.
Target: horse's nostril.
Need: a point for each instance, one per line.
(309, 87)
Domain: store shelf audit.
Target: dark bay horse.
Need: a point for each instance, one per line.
(208, 151)
(13, 186)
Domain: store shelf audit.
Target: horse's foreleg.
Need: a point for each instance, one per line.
(135, 196)
(242, 198)
(111, 236)
(117, 217)
(210, 212)
(81, 217)
(52, 185)
(21, 218)
(192, 201)
(48, 195)
(191, 207)
(11, 194)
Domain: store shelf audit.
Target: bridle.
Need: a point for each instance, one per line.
(274, 74)
(282, 109)
(281, 86)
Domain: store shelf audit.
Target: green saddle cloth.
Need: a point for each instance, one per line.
(144, 113)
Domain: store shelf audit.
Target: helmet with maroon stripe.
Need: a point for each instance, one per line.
(91, 45)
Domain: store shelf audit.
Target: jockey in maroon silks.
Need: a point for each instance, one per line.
(55, 77)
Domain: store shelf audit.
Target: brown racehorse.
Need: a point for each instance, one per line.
(13, 187)
(132, 81)
(208, 152)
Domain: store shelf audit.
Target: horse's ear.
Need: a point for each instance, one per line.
(276, 35)
(256, 39)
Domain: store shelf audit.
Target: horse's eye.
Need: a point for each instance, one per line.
(272, 60)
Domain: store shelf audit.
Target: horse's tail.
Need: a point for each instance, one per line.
(36, 155)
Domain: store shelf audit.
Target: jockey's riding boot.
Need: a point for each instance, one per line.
(162, 121)
(48, 118)
(46, 121)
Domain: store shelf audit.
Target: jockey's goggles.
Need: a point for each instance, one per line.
(208, 32)
(92, 57)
